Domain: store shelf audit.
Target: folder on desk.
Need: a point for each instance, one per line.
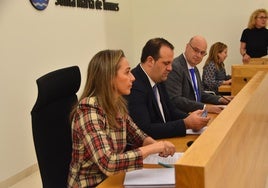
(150, 177)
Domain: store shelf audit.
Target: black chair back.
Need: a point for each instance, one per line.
(51, 126)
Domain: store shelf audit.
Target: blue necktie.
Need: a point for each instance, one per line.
(195, 86)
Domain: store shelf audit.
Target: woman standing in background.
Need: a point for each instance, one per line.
(254, 39)
(214, 73)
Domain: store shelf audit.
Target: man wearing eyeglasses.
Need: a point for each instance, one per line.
(184, 82)
(148, 103)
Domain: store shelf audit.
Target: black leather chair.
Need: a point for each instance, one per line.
(51, 126)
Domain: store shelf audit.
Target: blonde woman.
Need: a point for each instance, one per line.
(102, 128)
(214, 73)
(254, 39)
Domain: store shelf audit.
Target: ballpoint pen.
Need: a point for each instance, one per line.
(165, 165)
(225, 98)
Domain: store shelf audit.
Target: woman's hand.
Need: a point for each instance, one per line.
(163, 148)
(167, 149)
(246, 58)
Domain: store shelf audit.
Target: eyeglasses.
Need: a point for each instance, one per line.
(263, 17)
(196, 50)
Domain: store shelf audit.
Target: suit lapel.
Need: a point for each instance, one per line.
(189, 78)
(164, 105)
(198, 79)
(187, 72)
(147, 84)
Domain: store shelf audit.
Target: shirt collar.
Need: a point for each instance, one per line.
(188, 65)
(150, 80)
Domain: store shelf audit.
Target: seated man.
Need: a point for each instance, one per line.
(185, 87)
(148, 103)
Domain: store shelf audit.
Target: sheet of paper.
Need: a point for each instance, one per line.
(155, 159)
(190, 131)
(151, 177)
(222, 106)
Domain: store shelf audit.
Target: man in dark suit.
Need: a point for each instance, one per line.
(149, 104)
(186, 92)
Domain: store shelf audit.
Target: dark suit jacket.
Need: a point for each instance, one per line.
(145, 112)
(180, 89)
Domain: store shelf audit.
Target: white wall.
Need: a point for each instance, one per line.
(33, 43)
(179, 20)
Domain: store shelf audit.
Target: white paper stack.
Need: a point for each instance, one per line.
(150, 177)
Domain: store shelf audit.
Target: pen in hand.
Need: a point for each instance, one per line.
(225, 98)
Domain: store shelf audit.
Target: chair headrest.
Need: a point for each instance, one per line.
(56, 85)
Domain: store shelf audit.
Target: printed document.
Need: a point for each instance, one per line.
(150, 177)
(190, 131)
(156, 159)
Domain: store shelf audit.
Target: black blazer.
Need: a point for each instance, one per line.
(145, 112)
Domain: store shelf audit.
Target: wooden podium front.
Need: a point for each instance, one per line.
(259, 61)
(233, 151)
(242, 73)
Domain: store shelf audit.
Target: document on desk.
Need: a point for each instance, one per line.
(156, 159)
(150, 177)
(222, 106)
(190, 131)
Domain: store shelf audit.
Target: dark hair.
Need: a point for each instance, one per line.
(152, 48)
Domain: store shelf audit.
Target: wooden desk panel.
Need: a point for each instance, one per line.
(233, 151)
(224, 89)
(241, 74)
(258, 61)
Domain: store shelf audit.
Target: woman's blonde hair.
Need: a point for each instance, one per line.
(102, 70)
(253, 17)
(215, 49)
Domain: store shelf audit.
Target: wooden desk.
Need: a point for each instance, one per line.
(259, 61)
(233, 151)
(224, 89)
(241, 74)
(117, 181)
